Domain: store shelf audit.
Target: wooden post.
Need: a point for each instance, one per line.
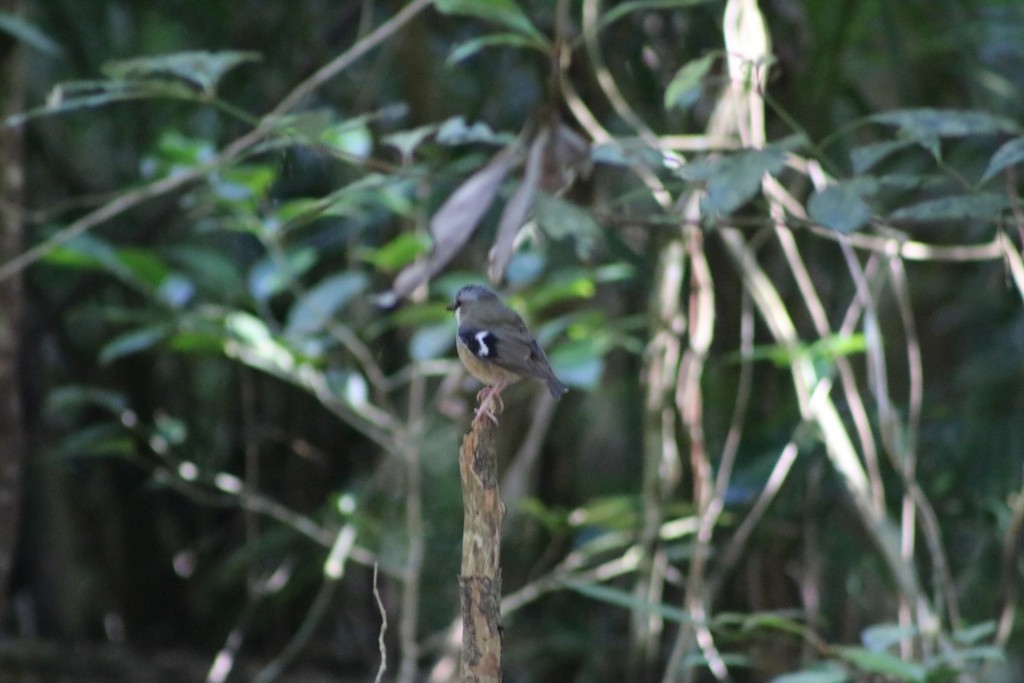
(480, 579)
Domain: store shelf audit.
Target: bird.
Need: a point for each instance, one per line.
(497, 348)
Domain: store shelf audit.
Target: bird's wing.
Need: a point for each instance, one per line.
(512, 349)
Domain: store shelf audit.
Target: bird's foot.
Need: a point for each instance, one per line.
(490, 403)
(485, 413)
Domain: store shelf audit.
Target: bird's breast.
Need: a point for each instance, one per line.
(486, 371)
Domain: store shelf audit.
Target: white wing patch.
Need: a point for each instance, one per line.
(480, 339)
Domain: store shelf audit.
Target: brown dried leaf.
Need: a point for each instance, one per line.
(517, 209)
(454, 223)
(567, 157)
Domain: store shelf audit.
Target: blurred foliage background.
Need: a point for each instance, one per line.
(774, 248)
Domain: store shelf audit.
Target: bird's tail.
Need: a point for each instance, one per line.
(555, 387)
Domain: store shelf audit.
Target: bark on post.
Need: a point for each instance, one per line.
(480, 580)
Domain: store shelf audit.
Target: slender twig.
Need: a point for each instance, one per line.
(915, 499)
(709, 519)
(777, 194)
(730, 449)
(589, 121)
(661, 468)
(662, 462)
(818, 407)
(690, 404)
(1013, 539)
(516, 483)
(890, 428)
(115, 207)
(382, 648)
(1014, 262)
(738, 542)
(411, 575)
(605, 80)
(334, 570)
(376, 424)
(251, 478)
(224, 661)
(862, 277)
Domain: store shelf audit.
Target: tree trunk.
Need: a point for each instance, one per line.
(12, 442)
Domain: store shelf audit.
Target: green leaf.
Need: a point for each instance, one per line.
(625, 599)
(85, 251)
(504, 12)
(197, 341)
(580, 362)
(973, 634)
(406, 141)
(1010, 154)
(685, 87)
(200, 69)
(927, 123)
(207, 267)
(623, 9)
(553, 519)
(561, 219)
(432, 341)
(836, 346)
(904, 182)
(525, 267)
(733, 180)
(609, 512)
(881, 637)
(352, 138)
(72, 397)
(954, 659)
(773, 620)
(399, 252)
(926, 126)
(76, 95)
(842, 207)
(18, 28)
(107, 439)
(171, 430)
(349, 386)
(625, 153)
(865, 157)
(826, 349)
(132, 342)
(370, 194)
(465, 50)
(143, 265)
(883, 664)
(427, 313)
(247, 328)
(272, 274)
(305, 127)
(250, 341)
(175, 148)
(986, 206)
(313, 310)
(831, 675)
(244, 186)
(141, 268)
(571, 284)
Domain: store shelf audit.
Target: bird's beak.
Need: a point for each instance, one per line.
(452, 306)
